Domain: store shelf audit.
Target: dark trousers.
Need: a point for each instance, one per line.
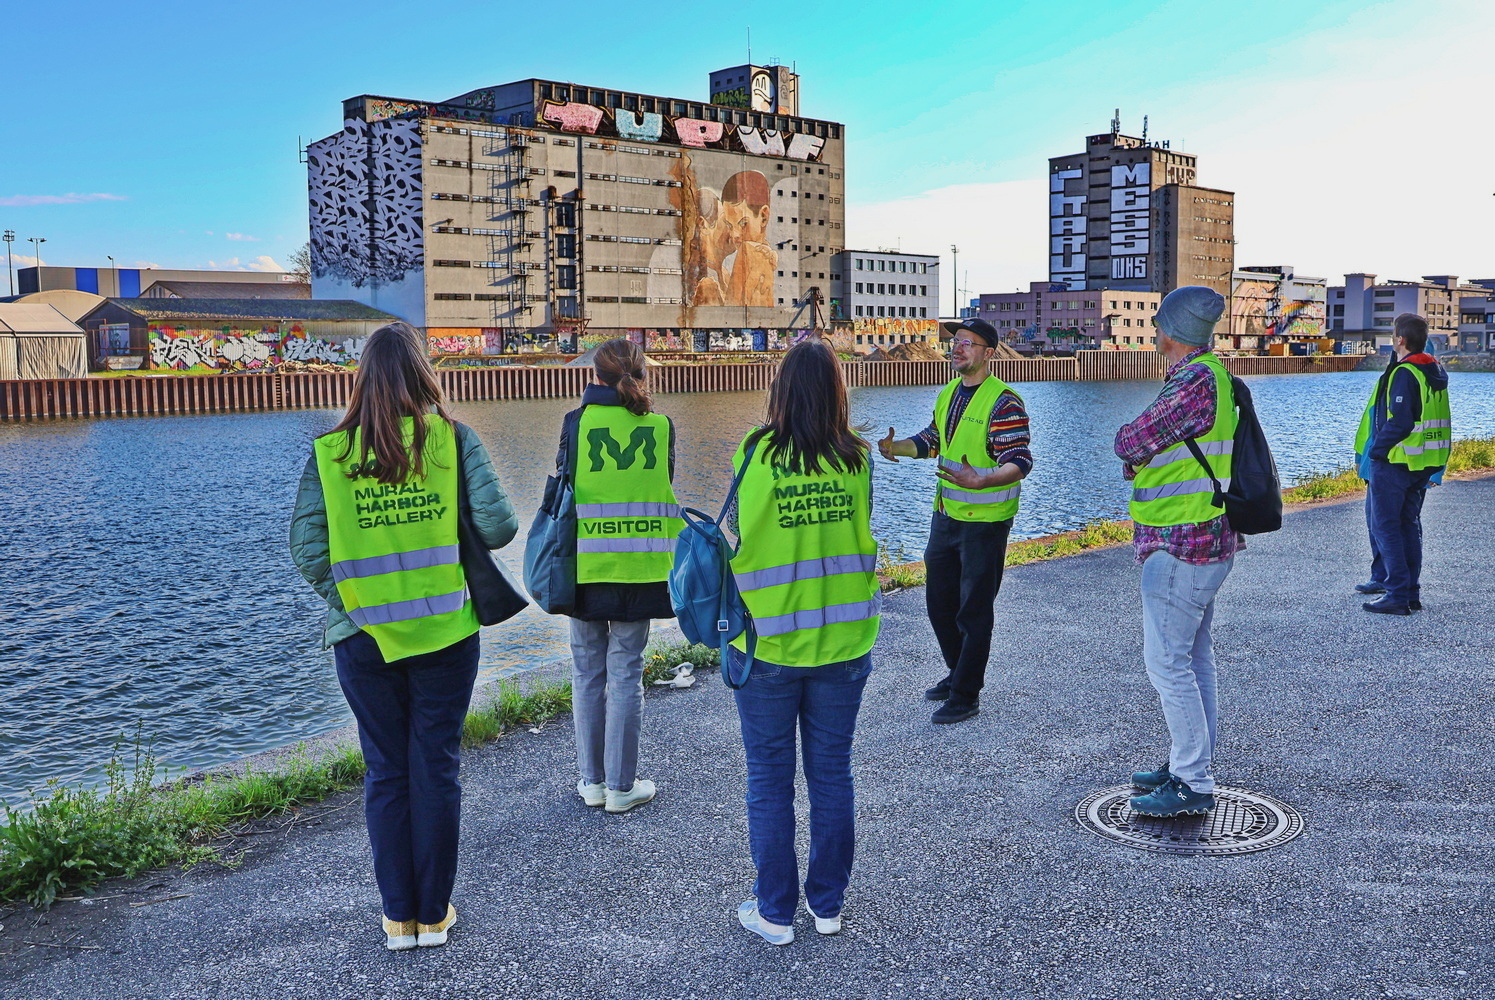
(410, 715)
(964, 563)
(1393, 512)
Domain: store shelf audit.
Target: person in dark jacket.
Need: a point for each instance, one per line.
(627, 520)
(1401, 450)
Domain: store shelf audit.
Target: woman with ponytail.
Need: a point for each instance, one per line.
(375, 534)
(621, 456)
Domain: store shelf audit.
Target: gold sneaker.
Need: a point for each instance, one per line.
(431, 935)
(399, 935)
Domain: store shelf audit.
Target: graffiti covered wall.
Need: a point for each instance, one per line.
(876, 331)
(697, 133)
(365, 197)
(238, 348)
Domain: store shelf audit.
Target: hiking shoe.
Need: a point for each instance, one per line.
(594, 794)
(432, 935)
(1370, 588)
(940, 691)
(955, 710)
(399, 935)
(1385, 607)
(1173, 798)
(620, 802)
(1150, 780)
(825, 925)
(748, 916)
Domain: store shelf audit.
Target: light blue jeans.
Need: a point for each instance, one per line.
(1178, 605)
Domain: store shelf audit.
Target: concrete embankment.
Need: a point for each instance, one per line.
(972, 877)
(42, 399)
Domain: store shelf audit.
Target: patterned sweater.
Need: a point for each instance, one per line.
(1007, 438)
(1184, 409)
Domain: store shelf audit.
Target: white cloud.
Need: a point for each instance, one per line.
(26, 200)
(24, 260)
(144, 263)
(261, 263)
(242, 237)
(264, 263)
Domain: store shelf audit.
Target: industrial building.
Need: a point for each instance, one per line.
(132, 282)
(1127, 214)
(542, 216)
(1052, 315)
(1274, 310)
(888, 297)
(1362, 311)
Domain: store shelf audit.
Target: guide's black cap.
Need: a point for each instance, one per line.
(979, 327)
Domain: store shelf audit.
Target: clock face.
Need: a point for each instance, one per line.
(762, 92)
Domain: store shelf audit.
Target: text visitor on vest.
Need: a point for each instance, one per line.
(806, 568)
(980, 436)
(1184, 542)
(627, 519)
(375, 533)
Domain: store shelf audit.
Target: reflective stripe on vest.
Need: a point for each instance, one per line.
(806, 565)
(1428, 444)
(404, 611)
(393, 547)
(971, 441)
(627, 517)
(1172, 487)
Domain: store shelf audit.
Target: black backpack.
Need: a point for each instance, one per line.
(1254, 501)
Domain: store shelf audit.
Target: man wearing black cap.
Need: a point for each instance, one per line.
(980, 436)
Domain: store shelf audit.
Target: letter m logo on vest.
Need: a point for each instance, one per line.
(601, 438)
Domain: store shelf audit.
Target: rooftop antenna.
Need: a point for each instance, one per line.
(1116, 123)
(1144, 130)
(750, 44)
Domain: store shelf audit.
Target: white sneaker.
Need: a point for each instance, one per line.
(620, 802)
(593, 794)
(749, 917)
(825, 925)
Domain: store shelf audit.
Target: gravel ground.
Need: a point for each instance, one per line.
(973, 878)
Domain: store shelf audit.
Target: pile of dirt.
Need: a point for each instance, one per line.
(918, 351)
(1008, 351)
(308, 368)
(876, 354)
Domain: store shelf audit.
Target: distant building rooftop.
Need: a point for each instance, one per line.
(227, 290)
(238, 308)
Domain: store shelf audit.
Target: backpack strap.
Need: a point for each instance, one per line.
(1193, 446)
(749, 629)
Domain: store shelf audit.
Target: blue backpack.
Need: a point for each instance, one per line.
(707, 604)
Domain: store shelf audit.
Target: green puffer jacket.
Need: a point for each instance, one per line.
(491, 512)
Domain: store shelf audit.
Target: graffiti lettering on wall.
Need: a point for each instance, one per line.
(662, 341)
(238, 349)
(879, 330)
(1067, 228)
(1131, 219)
(448, 341)
(650, 126)
(737, 97)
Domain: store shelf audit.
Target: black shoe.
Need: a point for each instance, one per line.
(1385, 607)
(940, 691)
(1414, 605)
(955, 710)
(1370, 588)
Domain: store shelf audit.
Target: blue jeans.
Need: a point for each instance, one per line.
(410, 715)
(1178, 606)
(820, 703)
(1393, 513)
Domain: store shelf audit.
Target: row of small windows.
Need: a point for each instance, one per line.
(475, 231)
(631, 180)
(637, 300)
(610, 238)
(622, 269)
(635, 209)
(890, 338)
(487, 297)
(906, 312)
(882, 289)
(882, 264)
(795, 274)
(707, 112)
(485, 199)
(618, 147)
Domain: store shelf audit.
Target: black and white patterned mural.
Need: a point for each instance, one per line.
(365, 201)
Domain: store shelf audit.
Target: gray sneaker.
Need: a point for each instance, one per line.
(620, 802)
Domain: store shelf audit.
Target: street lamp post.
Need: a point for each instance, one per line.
(954, 279)
(10, 237)
(36, 245)
(114, 273)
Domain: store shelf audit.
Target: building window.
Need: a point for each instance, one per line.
(565, 245)
(565, 276)
(859, 287)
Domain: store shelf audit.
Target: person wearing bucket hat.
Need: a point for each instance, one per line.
(980, 436)
(1184, 543)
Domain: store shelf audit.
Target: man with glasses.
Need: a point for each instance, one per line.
(980, 436)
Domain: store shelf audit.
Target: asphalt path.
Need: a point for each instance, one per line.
(972, 878)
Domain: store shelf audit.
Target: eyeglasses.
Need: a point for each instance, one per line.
(968, 343)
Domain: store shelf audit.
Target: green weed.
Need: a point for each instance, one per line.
(660, 659)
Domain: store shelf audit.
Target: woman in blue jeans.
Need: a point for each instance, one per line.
(375, 533)
(806, 568)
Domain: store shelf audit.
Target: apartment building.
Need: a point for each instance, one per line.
(1361, 312)
(544, 216)
(889, 297)
(1052, 315)
(1127, 213)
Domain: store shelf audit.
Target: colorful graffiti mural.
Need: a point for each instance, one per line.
(240, 349)
(881, 331)
(444, 340)
(649, 126)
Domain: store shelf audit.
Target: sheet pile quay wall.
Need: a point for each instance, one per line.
(44, 399)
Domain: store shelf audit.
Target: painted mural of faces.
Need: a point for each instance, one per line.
(744, 209)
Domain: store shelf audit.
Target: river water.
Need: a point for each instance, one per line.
(147, 579)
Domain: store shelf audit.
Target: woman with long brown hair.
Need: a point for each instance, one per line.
(621, 456)
(806, 568)
(375, 533)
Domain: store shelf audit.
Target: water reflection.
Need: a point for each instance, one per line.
(147, 576)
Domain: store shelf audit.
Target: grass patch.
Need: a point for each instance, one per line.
(1467, 455)
(897, 575)
(74, 838)
(661, 658)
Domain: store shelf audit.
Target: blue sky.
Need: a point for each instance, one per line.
(1357, 136)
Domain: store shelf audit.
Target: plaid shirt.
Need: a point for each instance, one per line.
(1184, 409)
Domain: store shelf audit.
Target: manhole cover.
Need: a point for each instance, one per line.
(1242, 822)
